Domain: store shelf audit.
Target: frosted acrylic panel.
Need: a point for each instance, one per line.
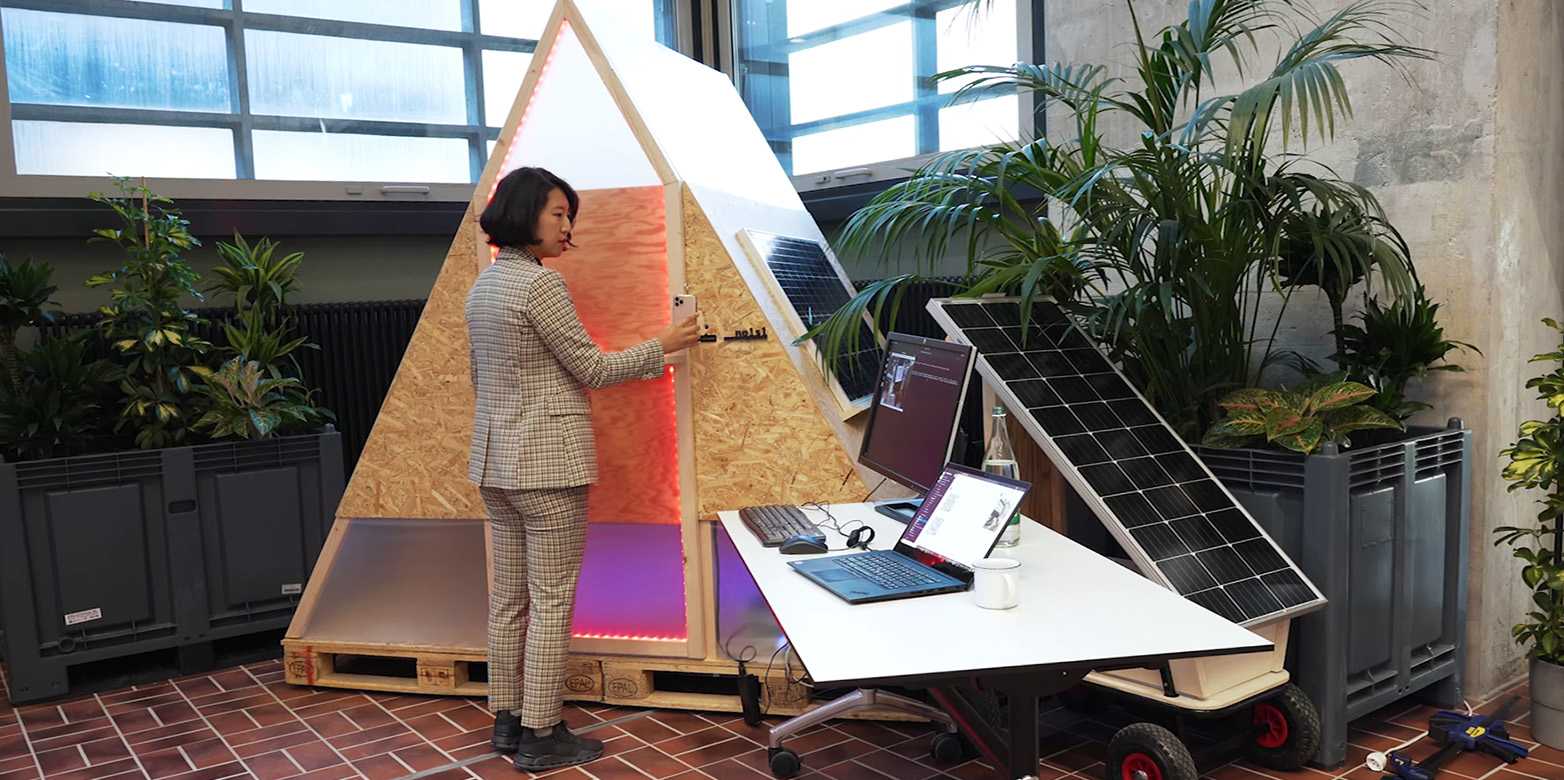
(966, 37)
(805, 16)
(526, 18)
(887, 139)
(66, 59)
(574, 128)
(979, 123)
(350, 157)
(859, 72)
(69, 149)
(502, 75)
(719, 145)
(310, 75)
(423, 14)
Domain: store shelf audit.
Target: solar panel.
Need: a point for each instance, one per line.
(1163, 505)
(815, 291)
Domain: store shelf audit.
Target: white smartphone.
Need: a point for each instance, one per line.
(684, 307)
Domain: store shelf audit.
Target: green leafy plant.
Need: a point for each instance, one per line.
(1395, 345)
(1300, 419)
(145, 322)
(55, 408)
(247, 404)
(260, 279)
(1164, 245)
(25, 289)
(1536, 463)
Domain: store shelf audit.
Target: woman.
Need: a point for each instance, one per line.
(532, 455)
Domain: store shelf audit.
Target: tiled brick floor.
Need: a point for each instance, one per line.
(246, 723)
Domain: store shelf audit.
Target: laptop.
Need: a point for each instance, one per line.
(958, 523)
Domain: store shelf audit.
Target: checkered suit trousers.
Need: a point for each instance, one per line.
(538, 539)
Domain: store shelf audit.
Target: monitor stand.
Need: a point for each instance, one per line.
(899, 509)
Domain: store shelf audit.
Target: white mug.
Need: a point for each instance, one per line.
(995, 581)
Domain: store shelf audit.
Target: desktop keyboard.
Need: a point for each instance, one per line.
(774, 524)
(888, 570)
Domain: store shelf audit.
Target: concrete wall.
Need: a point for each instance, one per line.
(1522, 279)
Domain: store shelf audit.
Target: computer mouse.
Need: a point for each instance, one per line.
(804, 544)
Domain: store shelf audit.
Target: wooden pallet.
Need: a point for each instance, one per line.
(628, 681)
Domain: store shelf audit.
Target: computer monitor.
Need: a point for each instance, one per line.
(914, 413)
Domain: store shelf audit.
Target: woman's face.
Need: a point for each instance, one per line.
(553, 228)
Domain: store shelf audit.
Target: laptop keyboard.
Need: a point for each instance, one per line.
(889, 570)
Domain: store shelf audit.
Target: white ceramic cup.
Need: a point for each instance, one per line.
(995, 583)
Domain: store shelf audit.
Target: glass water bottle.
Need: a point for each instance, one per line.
(1000, 459)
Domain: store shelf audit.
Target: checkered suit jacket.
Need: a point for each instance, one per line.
(531, 364)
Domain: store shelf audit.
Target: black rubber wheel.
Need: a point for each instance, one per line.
(784, 762)
(1146, 751)
(946, 748)
(1286, 730)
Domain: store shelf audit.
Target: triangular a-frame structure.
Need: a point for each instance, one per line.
(676, 181)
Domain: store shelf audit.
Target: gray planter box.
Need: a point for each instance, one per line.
(1381, 530)
(107, 556)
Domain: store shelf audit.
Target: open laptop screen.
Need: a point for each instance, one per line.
(962, 517)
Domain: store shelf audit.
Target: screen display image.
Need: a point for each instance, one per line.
(961, 518)
(915, 410)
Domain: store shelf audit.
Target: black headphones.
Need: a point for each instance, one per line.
(859, 538)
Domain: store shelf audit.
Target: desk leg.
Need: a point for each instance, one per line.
(1011, 745)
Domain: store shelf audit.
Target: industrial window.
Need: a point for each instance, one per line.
(274, 99)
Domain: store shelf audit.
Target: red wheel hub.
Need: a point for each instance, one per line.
(1139, 766)
(1270, 726)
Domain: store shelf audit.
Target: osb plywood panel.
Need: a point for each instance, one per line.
(414, 463)
(759, 436)
(618, 279)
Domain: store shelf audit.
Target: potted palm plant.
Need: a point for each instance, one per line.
(1537, 463)
(1165, 247)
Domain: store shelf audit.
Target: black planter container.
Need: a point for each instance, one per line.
(108, 556)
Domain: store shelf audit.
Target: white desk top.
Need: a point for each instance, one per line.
(1076, 609)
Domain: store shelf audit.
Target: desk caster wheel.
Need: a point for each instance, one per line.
(1146, 751)
(784, 762)
(946, 748)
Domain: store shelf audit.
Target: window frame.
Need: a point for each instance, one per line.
(235, 21)
(859, 182)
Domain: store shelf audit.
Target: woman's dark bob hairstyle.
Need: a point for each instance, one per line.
(511, 218)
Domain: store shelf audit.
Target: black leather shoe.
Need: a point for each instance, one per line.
(507, 732)
(559, 748)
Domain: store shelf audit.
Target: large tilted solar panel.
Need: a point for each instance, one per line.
(1161, 502)
(814, 290)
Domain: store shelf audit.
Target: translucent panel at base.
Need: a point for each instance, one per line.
(423, 14)
(70, 149)
(503, 72)
(632, 583)
(313, 75)
(350, 157)
(423, 582)
(979, 123)
(72, 60)
(855, 73)
(887, 139)
(571, 100)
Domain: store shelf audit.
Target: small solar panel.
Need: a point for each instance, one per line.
(1160, 501)
(815, 292)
